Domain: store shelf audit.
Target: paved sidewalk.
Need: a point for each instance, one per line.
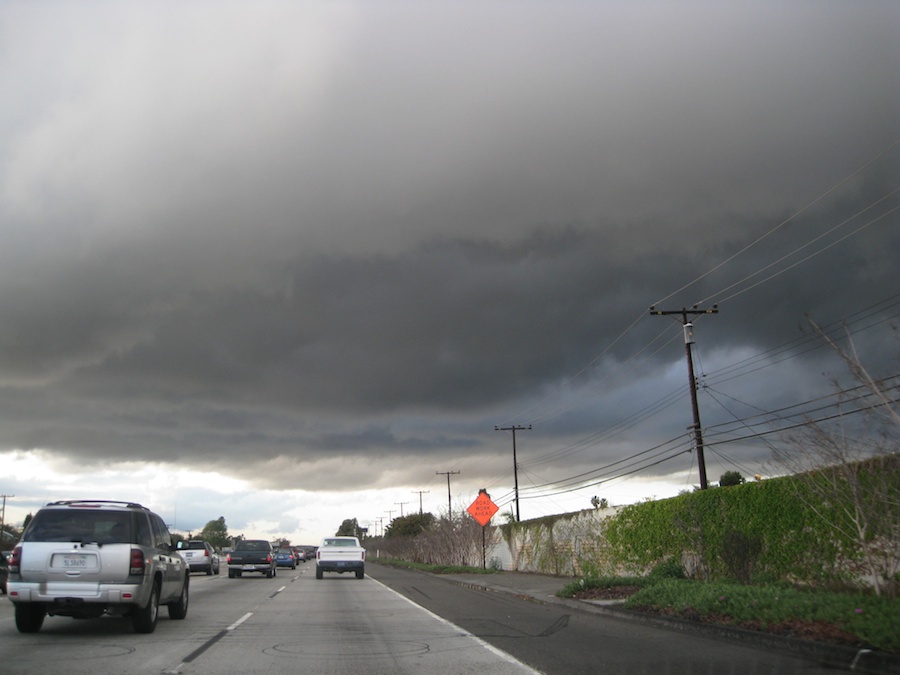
(538, 586)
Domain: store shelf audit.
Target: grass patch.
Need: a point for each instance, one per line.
(843, 617)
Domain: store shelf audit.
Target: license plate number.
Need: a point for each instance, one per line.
(74, 561)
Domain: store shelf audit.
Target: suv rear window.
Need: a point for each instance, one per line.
(81, 525)
(196, 544)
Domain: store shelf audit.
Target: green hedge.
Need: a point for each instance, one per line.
(758, 531)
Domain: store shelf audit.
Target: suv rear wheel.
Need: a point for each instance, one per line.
(178, 609)
(144, 618)
(29, 617)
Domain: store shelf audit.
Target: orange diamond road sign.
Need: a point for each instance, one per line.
(482, 509)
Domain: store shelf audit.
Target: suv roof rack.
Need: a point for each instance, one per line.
(76, 502)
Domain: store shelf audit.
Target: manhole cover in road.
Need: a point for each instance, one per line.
(74, 652)
(357, 649)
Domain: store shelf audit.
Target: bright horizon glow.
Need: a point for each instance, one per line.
(188, 499)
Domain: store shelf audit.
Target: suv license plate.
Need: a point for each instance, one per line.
(71, 561)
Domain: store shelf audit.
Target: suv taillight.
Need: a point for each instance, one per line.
(15, 560)
(206, 552)
(138, 564)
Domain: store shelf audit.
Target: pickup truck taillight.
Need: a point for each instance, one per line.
(15, 560)
(268, 558)
(364, 555)
(138, 564)
(228, 559)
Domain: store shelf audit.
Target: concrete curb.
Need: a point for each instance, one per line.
(833, 656)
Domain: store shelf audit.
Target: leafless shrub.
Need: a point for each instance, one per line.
(849, 468)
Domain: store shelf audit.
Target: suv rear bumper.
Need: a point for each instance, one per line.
(201, 566)
(67, 593)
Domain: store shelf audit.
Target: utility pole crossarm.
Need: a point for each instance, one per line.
(688, 329)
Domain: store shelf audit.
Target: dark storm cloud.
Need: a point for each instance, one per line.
(345, 232)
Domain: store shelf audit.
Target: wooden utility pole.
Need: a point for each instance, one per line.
(448, 474)
(513, 429)
(420, 493)
(688, 329)
(3, 517)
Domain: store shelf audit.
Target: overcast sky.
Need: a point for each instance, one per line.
(308, 255)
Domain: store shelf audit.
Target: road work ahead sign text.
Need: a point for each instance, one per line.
(482, 509)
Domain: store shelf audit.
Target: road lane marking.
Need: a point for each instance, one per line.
(239, 621)
(509, 658)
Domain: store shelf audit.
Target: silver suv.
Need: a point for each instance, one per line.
(88, 558)
(199, 555)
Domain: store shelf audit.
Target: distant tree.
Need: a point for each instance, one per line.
(26, 521)
(409, 526)
(216, 533)
(284, 543)
(349, 528)
(177, 536)
(730, 478)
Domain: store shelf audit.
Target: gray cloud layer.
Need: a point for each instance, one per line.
(353, 235)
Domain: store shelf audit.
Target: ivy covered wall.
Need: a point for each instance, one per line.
(778, 529)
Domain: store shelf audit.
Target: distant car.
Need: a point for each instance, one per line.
(87, 558)
(284, 557)
(252, 555)
(4, 570)
(199, 555)
(341, 554)
(299, 555)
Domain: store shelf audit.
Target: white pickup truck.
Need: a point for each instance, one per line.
(341, 554)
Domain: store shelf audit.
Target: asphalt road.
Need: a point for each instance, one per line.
(292, 623)
(557, 639)
(393, 621)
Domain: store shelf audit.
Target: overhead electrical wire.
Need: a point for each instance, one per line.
(798, 262)
(782, 224)
(750, 365)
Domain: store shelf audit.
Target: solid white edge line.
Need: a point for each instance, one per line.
(240, 621)
(487, 645)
